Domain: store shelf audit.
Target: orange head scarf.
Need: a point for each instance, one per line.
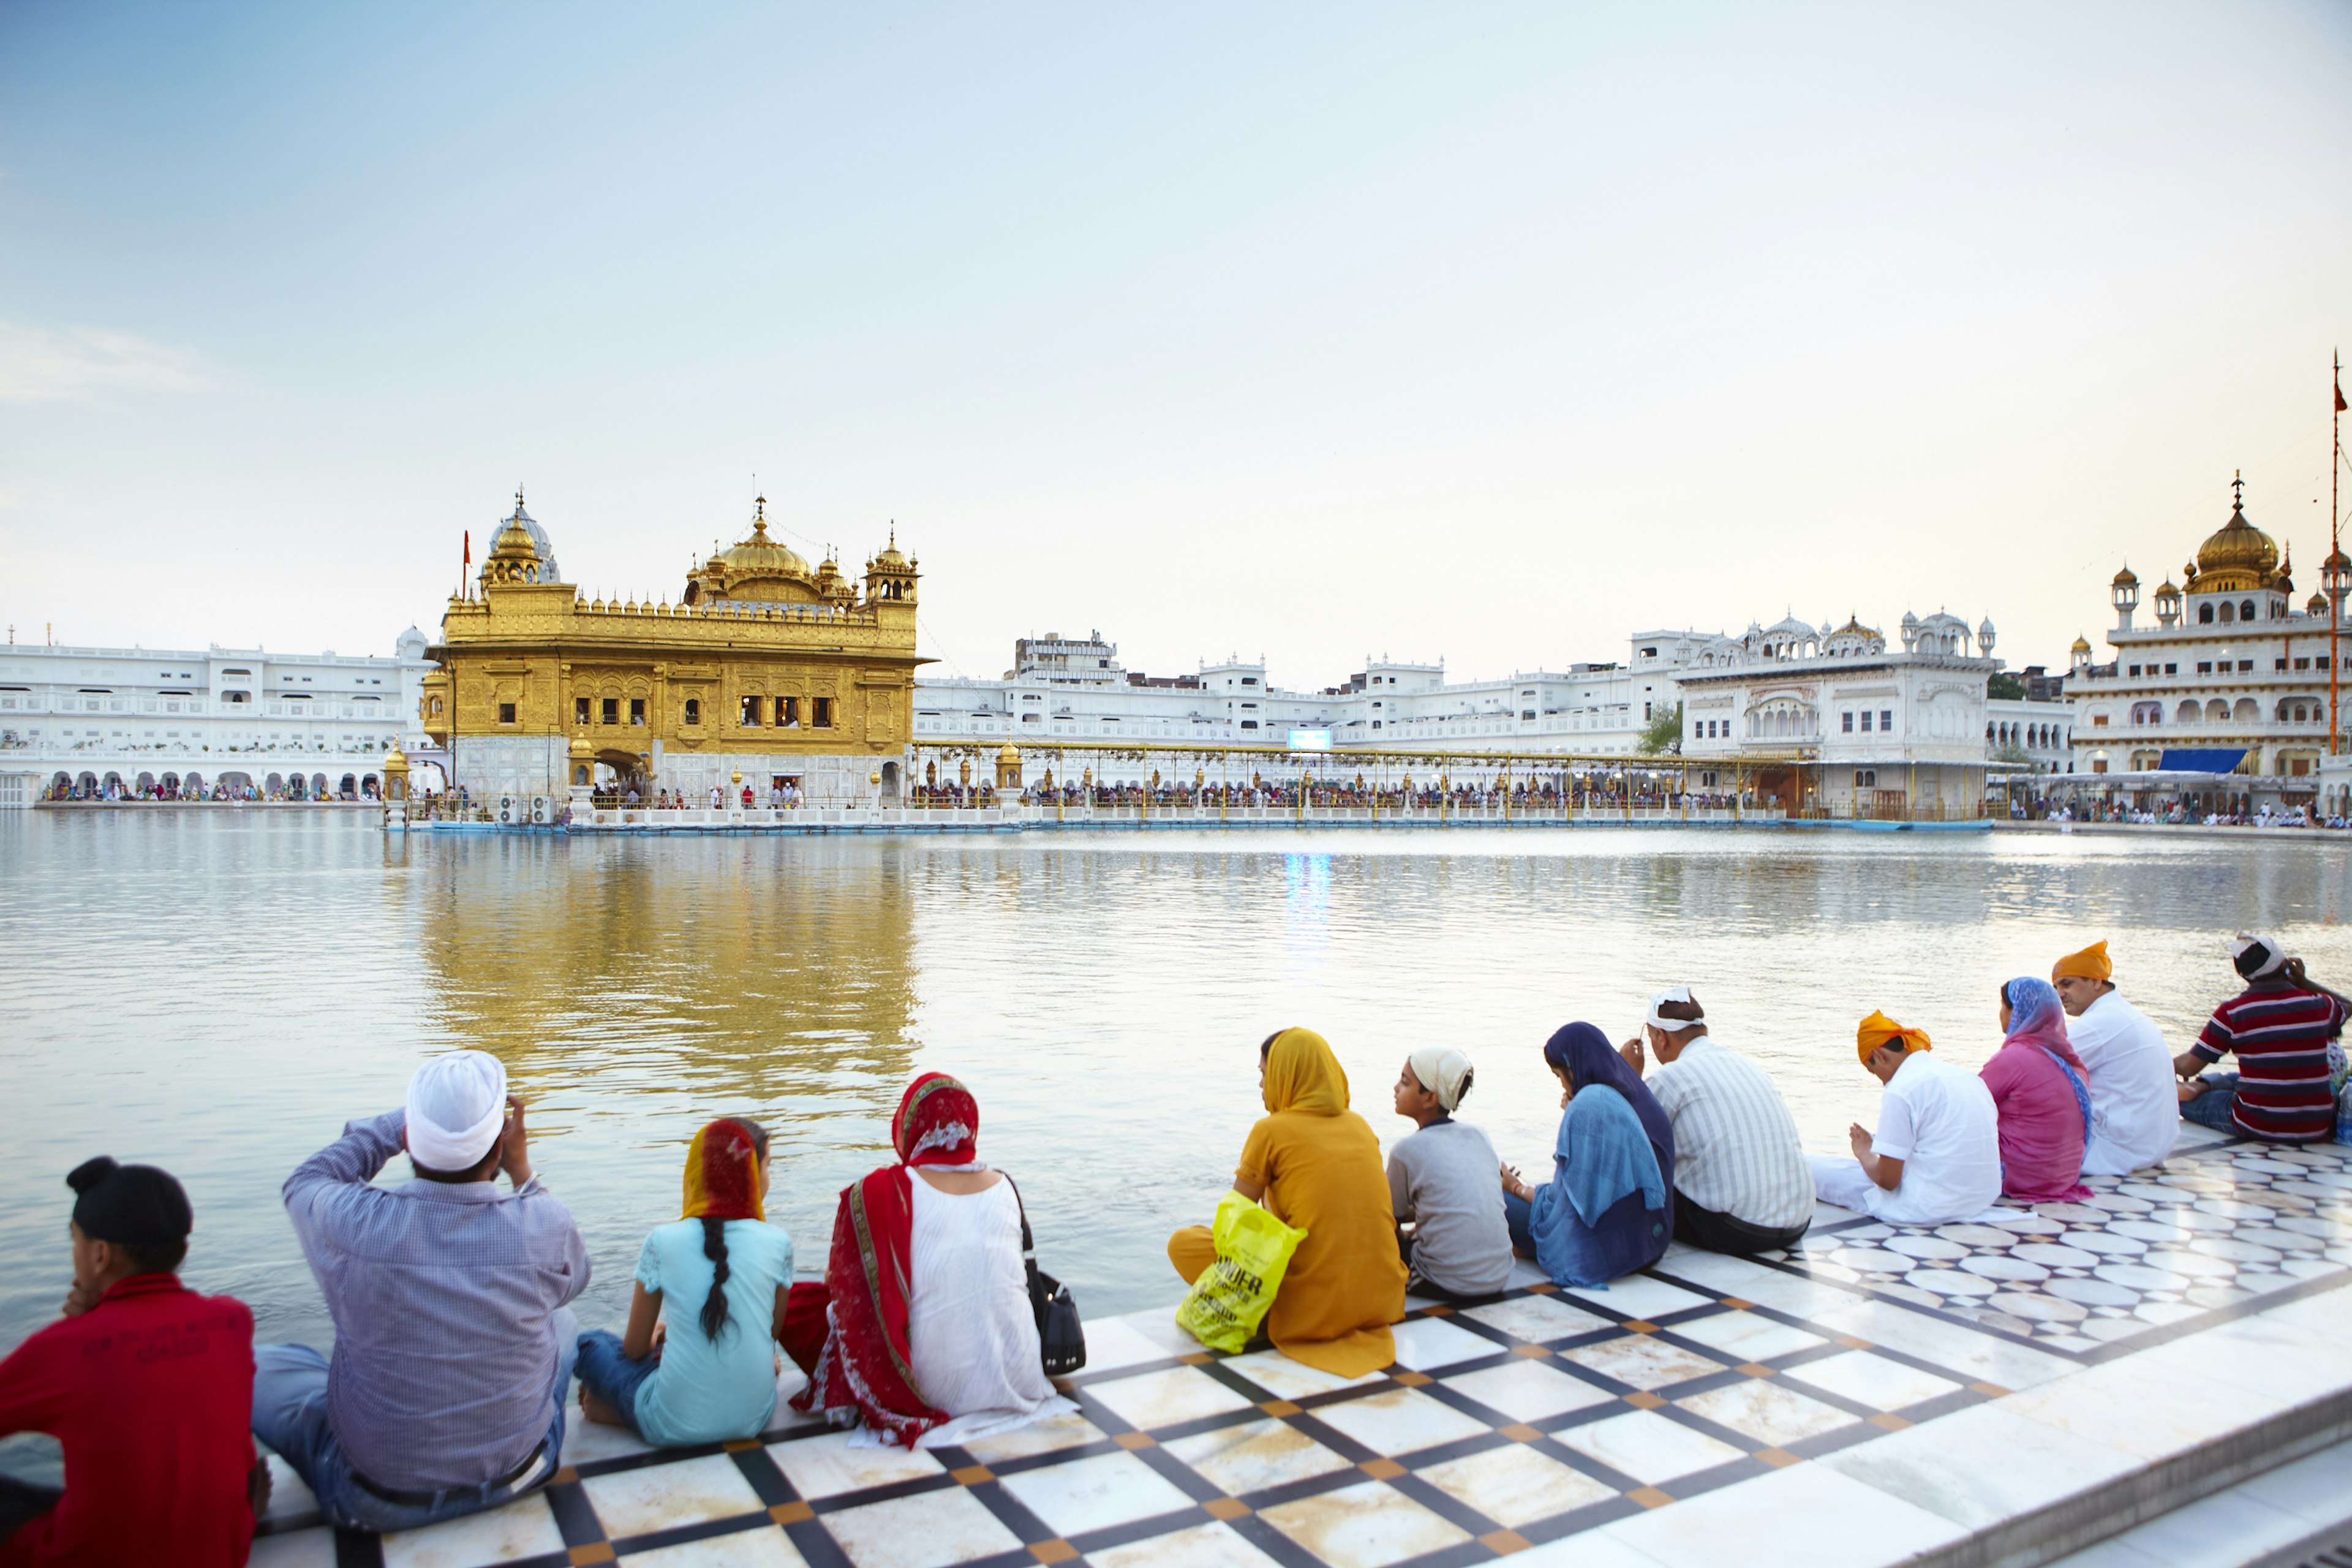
(1878, 1030)
(722, 1173)
(2091, 964)
(1301, 1074)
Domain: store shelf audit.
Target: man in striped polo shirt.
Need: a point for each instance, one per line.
(2279, 1026)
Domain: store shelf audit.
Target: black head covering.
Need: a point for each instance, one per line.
(135, 1205)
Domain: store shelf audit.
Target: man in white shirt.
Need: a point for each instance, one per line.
(2134, 1097)
(1937, 1157)
(1741, 1183)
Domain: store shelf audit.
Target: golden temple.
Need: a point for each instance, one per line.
(767, 675)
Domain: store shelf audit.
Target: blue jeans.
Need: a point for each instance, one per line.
(1515, 1213)
(290, 1414)
(612, 1376)
(2212, 1108)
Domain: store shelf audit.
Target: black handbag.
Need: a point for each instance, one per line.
(1061, 1338)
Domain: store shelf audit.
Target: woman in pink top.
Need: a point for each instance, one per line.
(2042, 1091)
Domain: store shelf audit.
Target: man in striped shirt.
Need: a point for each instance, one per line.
(2279, 1026)
(1741, 1183)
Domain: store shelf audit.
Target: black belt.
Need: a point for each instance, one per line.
(429, 1499)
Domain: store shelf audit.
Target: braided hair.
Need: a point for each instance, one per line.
(713, 1316)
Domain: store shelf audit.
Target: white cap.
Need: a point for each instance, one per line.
(1659, 1021)
(457, 1104)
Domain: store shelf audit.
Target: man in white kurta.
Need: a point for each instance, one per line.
(1939, 1138)
(2135, 1103)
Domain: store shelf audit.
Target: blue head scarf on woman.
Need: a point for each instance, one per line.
(2035, 1018)
(1608, 1209)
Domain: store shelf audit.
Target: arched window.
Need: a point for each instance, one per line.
(2246, 610)
(2218, 712)
(2248, 711)
(2188, 714)
(2205, 614)
(2230, 613)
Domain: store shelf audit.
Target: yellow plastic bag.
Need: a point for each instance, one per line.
(1230, 1299)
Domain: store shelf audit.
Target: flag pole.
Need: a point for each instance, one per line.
(2335, 553)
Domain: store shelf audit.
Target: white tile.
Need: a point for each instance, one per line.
(2225, 1530)
(1959, 1350)
(1639, 1296)
(926, 1530)
(298, 1549)
(2152, 1417)
(1165, 1398)
(1586, 1548)
(2314, 1487)
(1066, 1430)
(2262, 1352)
(1366, 1526)
(1156, 1327)
(766, 1546)
(585, 1442)
(1118, 1342)
(1425, 1344)
(1096, 1493)
(1791, 1293)
(524, 1528)
(827, 1466)
(1647, 1446)
(1538, 1318)
(2328, 1308)
(1515, 1485)
(1983, 1465)
(1528, 1390)
(289, 1495)
(1764, 1410)
(1871, 1380)
(1761, 1524)
(1524, 1273)
(1401, 1421)
(1255, 1455)
(1283, 1378)
(664, 1496)
(1642, 1361)
(1746, 1336)
(1203, 1546)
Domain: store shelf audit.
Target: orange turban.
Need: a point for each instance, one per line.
(2091, 964)
(1878, 1030)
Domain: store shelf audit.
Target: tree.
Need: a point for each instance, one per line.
(2007, 686)
(1662, 736)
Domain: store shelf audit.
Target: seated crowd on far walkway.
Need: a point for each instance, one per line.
(456, 1346)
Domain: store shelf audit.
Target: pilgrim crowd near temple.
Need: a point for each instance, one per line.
(797, 684)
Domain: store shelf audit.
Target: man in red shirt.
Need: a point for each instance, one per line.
(149, 1387)
(2279, 1026)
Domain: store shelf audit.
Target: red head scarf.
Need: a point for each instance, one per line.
(938, 1122)
(722, 1173)
(849, 1334)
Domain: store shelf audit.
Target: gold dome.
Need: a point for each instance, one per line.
(2082, 644)
(761, 570)
(2236, 558)
(760, 556)
(1008, 752)
(2127, 578)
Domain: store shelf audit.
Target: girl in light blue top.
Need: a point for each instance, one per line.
(698, 1361)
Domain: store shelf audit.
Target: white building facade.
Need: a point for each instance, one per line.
(1836, 721)
(2232, 678)
(131, 724)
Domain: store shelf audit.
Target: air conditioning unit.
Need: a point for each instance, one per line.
(506, 808)
(543, 809)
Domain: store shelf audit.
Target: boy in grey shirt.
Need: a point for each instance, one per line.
(1443, 1180)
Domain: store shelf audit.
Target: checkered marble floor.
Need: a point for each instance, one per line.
(1877, 1393)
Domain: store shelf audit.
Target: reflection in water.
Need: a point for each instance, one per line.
(218, 992)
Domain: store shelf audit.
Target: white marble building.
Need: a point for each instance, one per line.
(1868, 727)
(134, 721)
(2234, 674)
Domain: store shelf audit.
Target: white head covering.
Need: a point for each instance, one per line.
(1671, 1026)
(457, 1104)
(1445, 1072)
(2256, 956)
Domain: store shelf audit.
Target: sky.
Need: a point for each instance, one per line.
(1484, 331)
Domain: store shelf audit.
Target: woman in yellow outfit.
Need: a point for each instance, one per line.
(1317, 1166)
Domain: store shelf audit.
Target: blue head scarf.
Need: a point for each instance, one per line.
(2035, 1018)
(1585, 1054)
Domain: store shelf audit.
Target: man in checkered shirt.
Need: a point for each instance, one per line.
(2279, 1025)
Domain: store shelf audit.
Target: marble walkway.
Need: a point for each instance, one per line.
(1973, 1395)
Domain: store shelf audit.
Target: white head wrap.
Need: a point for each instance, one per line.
(2256, 956)
(1671, 1026)
(457, 1104)
(1445, 1072)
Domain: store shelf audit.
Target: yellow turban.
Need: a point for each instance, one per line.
(1878, 1030)
(2091, 964)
